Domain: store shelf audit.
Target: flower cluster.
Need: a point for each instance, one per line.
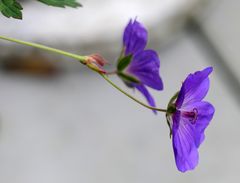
(187, 115)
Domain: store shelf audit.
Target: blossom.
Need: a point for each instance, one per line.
(189, 118)
(137, 67)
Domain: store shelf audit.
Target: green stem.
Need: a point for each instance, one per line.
(82, 59)
(131, 97)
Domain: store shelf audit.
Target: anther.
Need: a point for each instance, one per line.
(192, 116)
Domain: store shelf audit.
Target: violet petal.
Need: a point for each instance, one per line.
(194, 88)
(204, 116)
(134, 37)
(185, 150)
(146, 94)
(145, 66)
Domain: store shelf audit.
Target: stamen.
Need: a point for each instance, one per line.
(192, 116)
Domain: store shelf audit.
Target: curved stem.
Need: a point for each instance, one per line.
(131, 97)
(82, 59)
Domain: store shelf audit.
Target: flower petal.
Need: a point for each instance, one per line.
(185, 150)
(146, 94)
(134, 37)
(194, 88)
(145, 66)
(205, 114)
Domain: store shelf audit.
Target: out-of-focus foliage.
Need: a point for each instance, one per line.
(12, 8)
(61, 3)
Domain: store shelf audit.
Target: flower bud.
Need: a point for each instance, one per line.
(96, 62)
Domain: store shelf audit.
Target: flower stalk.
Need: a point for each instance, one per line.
(131, 97)
(84, 60)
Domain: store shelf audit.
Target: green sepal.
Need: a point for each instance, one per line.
(168, 117)
(128, 78)
(124, 62)
(171, 108)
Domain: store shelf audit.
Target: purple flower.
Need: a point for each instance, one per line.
(138, 67)
(189, 118)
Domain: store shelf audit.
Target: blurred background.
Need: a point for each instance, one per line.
(59, 122)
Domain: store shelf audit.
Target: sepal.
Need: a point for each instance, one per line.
(127, 78)
(171, 108)
(123, 62)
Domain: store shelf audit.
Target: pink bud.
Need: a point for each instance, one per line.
(96, 62)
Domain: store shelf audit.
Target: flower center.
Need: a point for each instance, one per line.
(192, 115)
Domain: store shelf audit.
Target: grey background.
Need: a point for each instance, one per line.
(76, 128)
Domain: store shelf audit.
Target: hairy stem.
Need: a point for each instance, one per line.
(82, 59)
(131, 97)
